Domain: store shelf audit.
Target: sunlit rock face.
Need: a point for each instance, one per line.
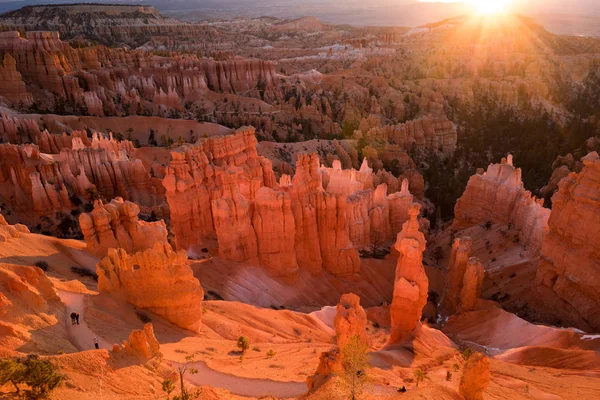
(157, 279)
(198, 175)
(411, 283)
(568, 275)
(116, 225)
(316, 220)
(498, 195)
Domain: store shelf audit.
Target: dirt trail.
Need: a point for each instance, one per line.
(245, 386)
(80, 335)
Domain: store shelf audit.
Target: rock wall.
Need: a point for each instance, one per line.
(157, 279)
(411, 283)
(498, 195)
(568, 275)
(97, 78)
(221, 188)
(37, 184)
(116, 226)
(197, 173)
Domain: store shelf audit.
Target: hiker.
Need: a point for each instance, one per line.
(73, 318)
(77, 318)
(96, 345)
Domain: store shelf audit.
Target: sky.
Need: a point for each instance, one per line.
(541, 6)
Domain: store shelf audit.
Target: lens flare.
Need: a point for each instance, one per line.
(489, 6)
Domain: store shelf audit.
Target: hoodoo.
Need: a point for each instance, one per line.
(411, 283)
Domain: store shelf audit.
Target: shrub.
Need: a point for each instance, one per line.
(419, 375)
(455, 367)
(270, 353)
(84, 272)
(43, 265)
(255, 348)
(467, 353)
(448, 375)
(243, 344)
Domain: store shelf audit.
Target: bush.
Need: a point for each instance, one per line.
(43, 265)
(39, 374)
(84, 272)
(243, 344)
(270, 353)
(467, 353)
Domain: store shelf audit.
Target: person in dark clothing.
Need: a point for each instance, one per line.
(73, 318)
(77, 318)
(96, 344)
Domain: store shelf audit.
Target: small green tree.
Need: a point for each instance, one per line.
(182, 370)
(467, 353)
(168, 386)
(12, 371)
(243, 344)
(39, 374)
(355, 362)
(419, 376)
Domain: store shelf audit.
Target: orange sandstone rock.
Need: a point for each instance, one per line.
(116, 225)
(142, 343)
(275, 229)
(157, 279)
(498, 195)
(350, 320)
(475, 378)
(411, 283)
(568, 275)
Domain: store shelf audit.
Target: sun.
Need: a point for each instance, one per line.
(489, 7)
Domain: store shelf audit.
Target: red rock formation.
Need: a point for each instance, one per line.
(31, 183)
(498, 195)
(411, 283)
(8, 232)
(464, 278)
(475, 378)
(141, 344)
(400, 203)
(568, 275)
(157, 279)
(195, 175)
(13, 87)
(275, 229)
(116, 225)
(472, 285)
(97, 77)
(31, 312)
(457, 266)
(233, 221)
(329, 363)
(350, 320)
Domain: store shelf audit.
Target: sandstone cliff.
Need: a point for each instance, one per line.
(568, 277)
(157, 279)
(116, 226)
(498, 196)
